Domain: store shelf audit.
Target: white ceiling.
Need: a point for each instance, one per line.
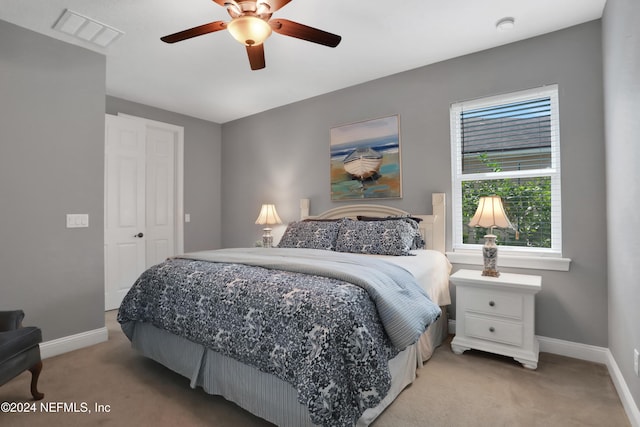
(209, 76)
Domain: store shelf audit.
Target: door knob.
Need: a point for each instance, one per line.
(138, 235)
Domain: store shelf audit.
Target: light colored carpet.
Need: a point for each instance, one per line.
(473, 389)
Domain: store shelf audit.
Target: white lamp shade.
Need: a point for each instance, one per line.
(249, 30)
(490, 213)
(268, 215)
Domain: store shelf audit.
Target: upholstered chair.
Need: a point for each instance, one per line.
(19, 349)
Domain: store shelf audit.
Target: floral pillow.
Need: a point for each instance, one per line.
(310, 234)
(418, 241)
(385, 237)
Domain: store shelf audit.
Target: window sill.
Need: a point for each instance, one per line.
(516, 261)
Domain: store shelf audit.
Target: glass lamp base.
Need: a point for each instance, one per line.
(267, 238)
(490, 256)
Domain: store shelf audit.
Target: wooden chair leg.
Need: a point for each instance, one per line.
(35, 374)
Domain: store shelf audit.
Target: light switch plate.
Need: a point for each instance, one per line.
(635, 361)
(77, 220)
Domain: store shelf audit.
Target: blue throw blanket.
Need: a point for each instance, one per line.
(273, 309)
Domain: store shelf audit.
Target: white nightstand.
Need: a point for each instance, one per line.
(496, 314)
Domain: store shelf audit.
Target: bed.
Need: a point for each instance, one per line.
(302, 335)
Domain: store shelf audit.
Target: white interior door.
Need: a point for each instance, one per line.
(160, 218)
(143, 199)
(124, 244)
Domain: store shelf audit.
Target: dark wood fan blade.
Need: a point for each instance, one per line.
(310, 34)
(256, 56)
(194, 32)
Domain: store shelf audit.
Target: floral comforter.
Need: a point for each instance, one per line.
(321, 334)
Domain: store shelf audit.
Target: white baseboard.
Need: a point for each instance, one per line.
(630, 407)
(590, 353)
(73, 342)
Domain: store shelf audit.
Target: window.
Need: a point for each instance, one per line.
(509, 145)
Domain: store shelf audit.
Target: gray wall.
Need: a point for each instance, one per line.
(202, 184)
(52, 98)
(52, 106)
(621, 46)
(283, 154)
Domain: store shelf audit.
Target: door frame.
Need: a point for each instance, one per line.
(178, 179)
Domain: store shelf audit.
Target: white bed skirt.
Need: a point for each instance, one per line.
(264, 394)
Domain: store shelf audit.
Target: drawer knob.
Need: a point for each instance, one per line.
(492, 329)
(492, 303)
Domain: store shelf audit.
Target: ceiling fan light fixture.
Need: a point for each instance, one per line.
(262, 8)
(251, 25)
(249, 30)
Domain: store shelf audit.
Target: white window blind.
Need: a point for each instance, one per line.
(509, 145)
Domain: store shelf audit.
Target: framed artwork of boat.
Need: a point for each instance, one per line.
(365, 160)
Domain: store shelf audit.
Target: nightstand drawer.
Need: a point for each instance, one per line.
(495, 303)
(493, 330)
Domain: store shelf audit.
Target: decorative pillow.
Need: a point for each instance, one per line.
(386, 237)
(310, 234)
(418, 241)
(381, 218)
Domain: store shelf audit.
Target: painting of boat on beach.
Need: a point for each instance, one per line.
(365, 160)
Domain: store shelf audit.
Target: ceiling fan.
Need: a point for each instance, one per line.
(251, 25)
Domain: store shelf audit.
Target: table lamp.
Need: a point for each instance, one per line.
(268, 216)
(490, 214)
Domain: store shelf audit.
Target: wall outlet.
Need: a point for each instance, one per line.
(635, 361)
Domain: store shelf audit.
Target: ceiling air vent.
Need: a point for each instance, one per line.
(87, 29)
